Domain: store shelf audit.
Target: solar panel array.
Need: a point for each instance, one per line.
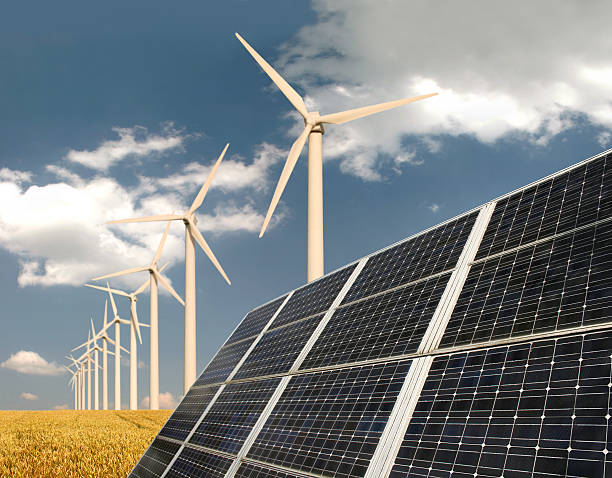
(481, 347)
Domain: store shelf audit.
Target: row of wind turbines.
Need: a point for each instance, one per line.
(82, 366)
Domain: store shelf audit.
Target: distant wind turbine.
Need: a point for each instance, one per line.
(313, 132)
(154, 276)
(191, 234)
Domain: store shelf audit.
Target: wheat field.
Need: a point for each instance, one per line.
(75, 444)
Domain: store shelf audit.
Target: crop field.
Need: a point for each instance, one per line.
(75, 444)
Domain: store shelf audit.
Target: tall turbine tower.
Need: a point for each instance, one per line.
(191, 234)
(134, 329)
(154, 276)
(313, 132)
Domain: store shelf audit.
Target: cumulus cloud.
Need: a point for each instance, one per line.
(166, 401)
(500, 72)
(133, 142)
(13, 176)
(32, 364)
(604, 138)
(29, 396)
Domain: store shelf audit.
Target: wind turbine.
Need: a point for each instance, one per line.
(191, 234)
(313, 132)
(134, 329)
(81, 380)
(73, 382)
(154, 276)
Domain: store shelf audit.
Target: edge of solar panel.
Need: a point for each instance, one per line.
(447, 351)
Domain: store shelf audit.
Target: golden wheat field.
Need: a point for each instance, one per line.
(75, 444)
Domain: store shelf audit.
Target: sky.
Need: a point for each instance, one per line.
(115, 110)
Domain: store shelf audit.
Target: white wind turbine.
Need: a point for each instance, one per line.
(80, 370)
(191, 234)
(74, 383)
(313, 132)
(134, 330)
(154, 276)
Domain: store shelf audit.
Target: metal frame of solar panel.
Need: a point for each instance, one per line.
(479, 347)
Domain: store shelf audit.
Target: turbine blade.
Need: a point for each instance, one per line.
(163, 267)
(200, 197)
(110, 293)
(294, 154)
(161, 244)
(82, 345)
(195, 233)
(135, 319)
(105, 313)
(115, 291)
(350, 115)
(167, 285)
(93, 329)
(162, 217)
(144, 285)
(292, 95)
(122, 273)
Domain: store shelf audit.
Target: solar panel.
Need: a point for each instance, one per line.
(255, 321)
(313, 298)
(385, 325)
(233, 414)
(155, 460)
(329, 422)
(268, 357)
(531, 409)
(187, 413)
(481, 347)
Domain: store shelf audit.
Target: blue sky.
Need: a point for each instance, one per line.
(113, 110)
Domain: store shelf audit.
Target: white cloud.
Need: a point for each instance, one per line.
(63, 406)
(604, 138)
(499, 70)
(434, 208)
(18, 177)
(232, 218)
(29, 396)
(233, 174)
(133, 142)
(166, 401)
(31, 363)
(408, 158)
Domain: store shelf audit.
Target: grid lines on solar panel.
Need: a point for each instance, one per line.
(184, 418)
(573, 199)
(251, 470)
(560, 283)
(224, 362)
(385, 325)
(199, 464)
(153, 463)
(425, 255)
(313, 298)
(532, 409)
(330, 422)
(255, 321)
(278, 349)
(230, 419)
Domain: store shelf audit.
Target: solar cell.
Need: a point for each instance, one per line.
(531, 409)
(556, 284)
(385, 325)
(156, 458)
(232, 416)
(427, 254)
(250, 470)
(184, 418)
(329, 422)
(224, 362)
(193, 463)
(573, 199)
(255, 321)
(313, 298)
(278, 349)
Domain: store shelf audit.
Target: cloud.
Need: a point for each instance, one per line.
(233, 218)
(604, 138)
(63, 406)
(434, 208)
(17, 177)
(32, 364)
(501, 72)
(166, 401)
(28, 396)
(233, 174)
(133, 142)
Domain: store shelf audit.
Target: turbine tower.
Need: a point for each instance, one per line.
(154, 276)
(313, 132)
(191, 234)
